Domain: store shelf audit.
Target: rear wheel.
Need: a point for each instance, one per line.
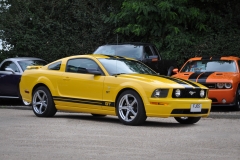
(42, 103)
(236, 107)
(187, 120)
(130, 108)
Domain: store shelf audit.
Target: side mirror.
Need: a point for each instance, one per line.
(175, 70)
(9, 70)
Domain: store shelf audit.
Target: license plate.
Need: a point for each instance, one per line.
(196, 108)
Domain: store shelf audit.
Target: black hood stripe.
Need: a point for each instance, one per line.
(83, 101)
(193, 77)
(195, 85)
(182, 82)
(203, 77)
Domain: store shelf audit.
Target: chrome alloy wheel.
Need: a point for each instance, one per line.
(39, 102)
(128, 107)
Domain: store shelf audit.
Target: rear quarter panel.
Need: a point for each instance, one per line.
(31, 79)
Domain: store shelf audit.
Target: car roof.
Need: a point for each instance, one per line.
(23, 58)
(215, 58)
(131, 43)
(94, 56)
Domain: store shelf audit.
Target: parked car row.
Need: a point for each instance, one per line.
(111, 85)
(125, 87)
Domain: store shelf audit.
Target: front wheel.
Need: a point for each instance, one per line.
(187, 120)
(42, 103)
(130, 108)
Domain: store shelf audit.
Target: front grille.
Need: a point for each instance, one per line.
(187, 111)
(189, 93)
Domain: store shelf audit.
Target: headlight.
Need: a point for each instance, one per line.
(228, 85)
(220, 85)
(160, 93)
(177, 92)
(202, 93)
(224, 85)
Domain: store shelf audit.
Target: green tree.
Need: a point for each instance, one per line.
(179, 28)
(54, 29)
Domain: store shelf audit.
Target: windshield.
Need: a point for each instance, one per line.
(131, 51)
(210, 66)
(26, 63)
(121, 66)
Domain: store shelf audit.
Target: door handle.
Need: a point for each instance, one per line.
(66, 79)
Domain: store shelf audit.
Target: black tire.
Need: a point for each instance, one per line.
(187, 120)
(236, 107)
(42, 103)
(98, 115)
(130, 109)
(170, 70)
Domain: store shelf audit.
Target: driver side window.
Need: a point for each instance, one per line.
(9, 64)
(81, 65)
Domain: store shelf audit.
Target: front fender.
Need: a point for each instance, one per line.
(134, 86)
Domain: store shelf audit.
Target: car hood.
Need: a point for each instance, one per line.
(204, 77)
(161, 80)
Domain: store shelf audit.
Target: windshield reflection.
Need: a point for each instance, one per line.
(210, 66)
(121, 66)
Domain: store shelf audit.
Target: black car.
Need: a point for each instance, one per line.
(11, 70)
(144, 52)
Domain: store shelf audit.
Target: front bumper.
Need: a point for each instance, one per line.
(175, 107)
(222, 97)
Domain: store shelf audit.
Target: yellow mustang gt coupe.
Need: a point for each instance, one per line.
(112, 85)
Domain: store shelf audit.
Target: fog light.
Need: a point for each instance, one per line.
(224, 101)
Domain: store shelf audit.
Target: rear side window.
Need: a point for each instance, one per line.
(55, 66)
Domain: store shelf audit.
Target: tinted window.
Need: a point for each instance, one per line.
(9, 64)
(210, 66)
(132, 51)
(55, 66)
(147, 52)
(81, 65)
(26, 63)
(116, 66)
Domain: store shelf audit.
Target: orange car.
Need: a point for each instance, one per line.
(220, 74)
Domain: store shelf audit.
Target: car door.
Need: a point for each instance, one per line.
(79, 87)
(9, 81)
